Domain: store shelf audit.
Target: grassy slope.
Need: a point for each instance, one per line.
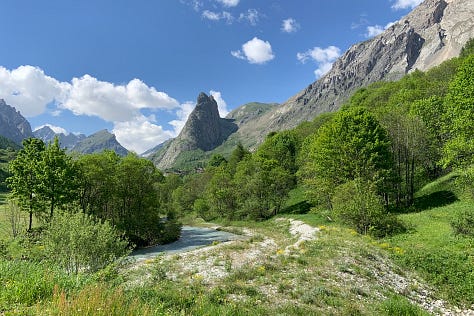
(431, 248)
(338, 273)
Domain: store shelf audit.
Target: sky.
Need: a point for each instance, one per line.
(136, 67)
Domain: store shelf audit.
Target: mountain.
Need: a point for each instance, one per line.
(99, 142)
(12, 124)
(66, 141)
(203, 131)
(433, 32)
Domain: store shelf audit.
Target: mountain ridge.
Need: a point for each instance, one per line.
(433, 32)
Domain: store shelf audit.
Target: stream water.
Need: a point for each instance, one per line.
(191, 238)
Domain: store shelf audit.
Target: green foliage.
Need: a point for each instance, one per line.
(468, 49)
(81, 243)
(24, 283)
(131, 193)
(24, 182)
(58, 177)
(353, 145)
(283, 148)
(399, 306)
(216, 160)
(459, 149)
(463, 222)
(357, 204)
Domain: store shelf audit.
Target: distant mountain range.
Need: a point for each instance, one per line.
(66, 141)
(14, 127)
(433, 32)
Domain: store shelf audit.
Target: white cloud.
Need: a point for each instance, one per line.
(113, 103)
(221, 104)
(56, 129)
(252, 16)
(140, 134)
(289, 25)
(405, 4)
(255, 51)
(216, 16)
(29, 89)
(183, 114)
(323, 57)
(229, 3)
(374, 30)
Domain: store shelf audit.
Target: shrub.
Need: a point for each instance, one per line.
(79, 242)
(463, 222)
(357, 204)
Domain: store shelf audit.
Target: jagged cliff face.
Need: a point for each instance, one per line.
(433, 32)
(12, 124)
(204, 130)
(99, 142)
(47, 135)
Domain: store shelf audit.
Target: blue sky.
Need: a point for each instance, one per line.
(136, 67)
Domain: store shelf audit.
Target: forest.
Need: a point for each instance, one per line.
(360, 167)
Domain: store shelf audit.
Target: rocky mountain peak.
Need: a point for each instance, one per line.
(12, 124)
(204, 130)
(433, 32)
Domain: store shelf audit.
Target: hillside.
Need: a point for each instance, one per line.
(47, 135)
(433, 32)
(12, 124)
(98, 142)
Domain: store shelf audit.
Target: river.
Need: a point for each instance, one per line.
(191, 238)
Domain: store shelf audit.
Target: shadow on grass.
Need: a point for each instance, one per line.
(298, 208)
(435, 199)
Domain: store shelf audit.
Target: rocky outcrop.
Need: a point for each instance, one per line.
(98, 142)
(12, 124)
(47, 135)
(204, 130)
(433, 32)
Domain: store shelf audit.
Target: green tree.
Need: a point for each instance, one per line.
(220, 194)
(281, 147)
(58, 176)
(25, 179)
(98, 183)
(261, 186)
(353, 145)
(137, 211)
(459, 117)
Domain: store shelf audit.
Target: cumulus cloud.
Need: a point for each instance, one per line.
(405, 4)
(229, 3)
(140, 134)
(323, 57)
(217, 16)
(221, 104)
(56, 129)
(251, 16)
(32, 92)
(374, 30)
(113, 103)
(182, 113)
(255, 51)
(289, 26)
(29, 89)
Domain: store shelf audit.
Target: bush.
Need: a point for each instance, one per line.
(79, 242)
(357, 204)
(463, 222)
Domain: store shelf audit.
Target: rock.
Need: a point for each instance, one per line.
(433, 32)
(204, 130)
(98, 142)
(12, 124)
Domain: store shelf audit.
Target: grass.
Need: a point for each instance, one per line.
(339, 273)
(431, 248)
